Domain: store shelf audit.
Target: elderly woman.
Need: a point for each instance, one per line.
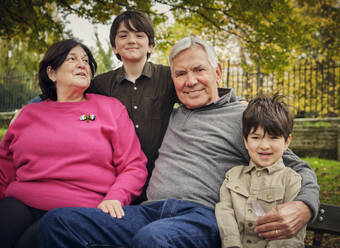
(71, 150)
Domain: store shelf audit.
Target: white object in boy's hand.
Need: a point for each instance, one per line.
(258, 210)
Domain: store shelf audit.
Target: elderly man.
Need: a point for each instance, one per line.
(203, 141)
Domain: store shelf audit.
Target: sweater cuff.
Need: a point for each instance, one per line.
(119, 195)
(313, 205)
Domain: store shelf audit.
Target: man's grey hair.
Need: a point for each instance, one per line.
(190, 41)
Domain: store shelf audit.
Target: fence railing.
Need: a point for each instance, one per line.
(312, 89)
(17, 89)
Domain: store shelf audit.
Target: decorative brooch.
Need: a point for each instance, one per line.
(87, 118)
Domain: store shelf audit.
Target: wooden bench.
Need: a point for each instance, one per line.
(328, 221)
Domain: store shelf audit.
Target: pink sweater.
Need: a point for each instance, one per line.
(50, 158)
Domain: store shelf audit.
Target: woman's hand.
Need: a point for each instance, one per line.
(112, 207)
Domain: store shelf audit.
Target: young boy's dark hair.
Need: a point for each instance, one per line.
(270, 113)
(140, 23)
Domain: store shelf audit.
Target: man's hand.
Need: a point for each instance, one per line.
(283, 221)
(112, 207)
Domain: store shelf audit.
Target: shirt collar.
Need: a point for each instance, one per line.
(147, 72)
(278, 165)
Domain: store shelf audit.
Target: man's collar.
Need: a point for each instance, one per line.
(223, 91)
(226, 95)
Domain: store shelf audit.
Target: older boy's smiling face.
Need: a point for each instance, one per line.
(266, 149)
(194, 78)
(132, 46)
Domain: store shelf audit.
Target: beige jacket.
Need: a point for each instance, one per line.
(268, 186)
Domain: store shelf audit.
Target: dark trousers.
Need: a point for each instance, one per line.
(18, 224)
(168, 223)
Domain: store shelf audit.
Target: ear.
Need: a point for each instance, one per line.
(150, 48)
(287, 142)
(245, 142)
(219, 73)
(114, 50)
(51, 74)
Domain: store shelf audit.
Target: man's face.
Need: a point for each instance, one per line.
(132, 46)
(195, 79)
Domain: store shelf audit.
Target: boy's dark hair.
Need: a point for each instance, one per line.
(270, 113)
(55, 57)
(140, 23)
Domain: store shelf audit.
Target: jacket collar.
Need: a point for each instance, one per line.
(278, 165)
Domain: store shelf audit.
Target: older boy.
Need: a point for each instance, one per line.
(250, 191)
(146, 89)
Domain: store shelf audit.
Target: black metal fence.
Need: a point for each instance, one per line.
(16, 90)
(312, 88)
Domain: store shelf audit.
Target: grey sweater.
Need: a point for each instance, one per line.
(200, 145)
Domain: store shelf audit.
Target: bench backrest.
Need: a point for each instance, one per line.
(328, 221)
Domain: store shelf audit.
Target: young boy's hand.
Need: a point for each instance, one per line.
(112, 207)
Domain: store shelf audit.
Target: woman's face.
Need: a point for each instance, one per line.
(73, 76)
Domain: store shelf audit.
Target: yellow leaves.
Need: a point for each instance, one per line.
(312, 90)
(324, 112)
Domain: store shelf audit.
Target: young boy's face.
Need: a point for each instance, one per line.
(132, 46)
(265, 150)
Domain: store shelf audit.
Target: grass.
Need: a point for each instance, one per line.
(2, 133)
(328, 174)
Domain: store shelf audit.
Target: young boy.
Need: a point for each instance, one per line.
(250, 191)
